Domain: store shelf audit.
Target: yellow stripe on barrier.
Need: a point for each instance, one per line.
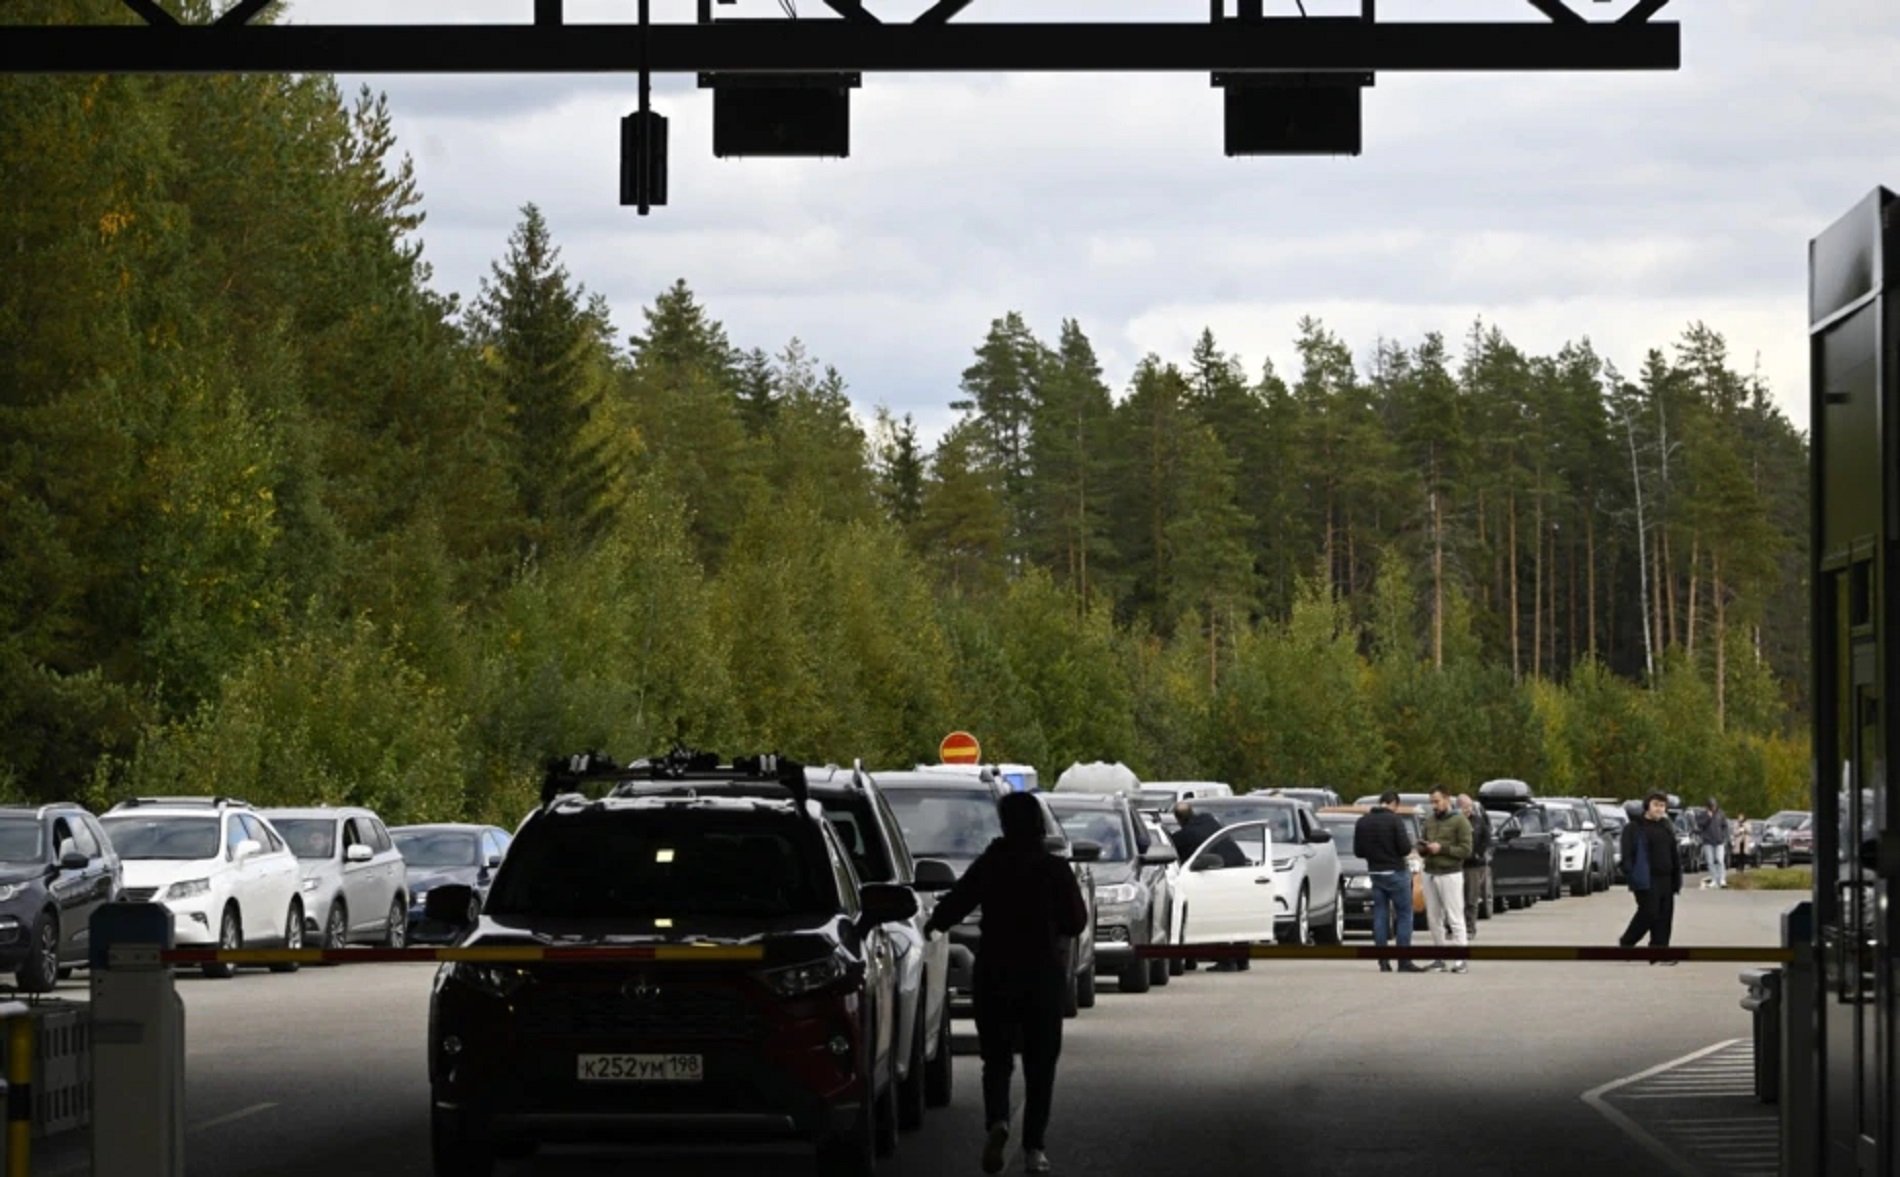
(21, 1038)
(1491, 952)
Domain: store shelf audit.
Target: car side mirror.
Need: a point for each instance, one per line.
(358, 853)
(74, 860)
(885, 903)
(1319, 837)
(449, 904)
(1085, 851)
(1508, 834)
(1055, 844)
(248, 848)
(494, 860)
(1159, 854)
(933, 874)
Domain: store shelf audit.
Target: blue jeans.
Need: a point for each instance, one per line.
(1715, 861)
(1392, 906)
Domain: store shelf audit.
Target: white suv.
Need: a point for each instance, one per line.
(354, 889)
(222, 869)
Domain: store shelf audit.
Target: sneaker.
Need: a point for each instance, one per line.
(1437, 966)
(1459, 967)
(995, 1147)
(1385, 966)
(1035, 1161)
(1412, 966)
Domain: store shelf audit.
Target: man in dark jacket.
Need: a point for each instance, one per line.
(1653, 861)
(1478, 866)
(1031, 907)
(1383, 839)
(1195, 829)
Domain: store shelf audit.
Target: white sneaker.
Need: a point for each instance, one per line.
(995, 1147)
(1459, 967)
(1035, 1161)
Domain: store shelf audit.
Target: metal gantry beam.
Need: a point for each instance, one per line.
(1276, 43)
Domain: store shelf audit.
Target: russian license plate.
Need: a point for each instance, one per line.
(641, 1068)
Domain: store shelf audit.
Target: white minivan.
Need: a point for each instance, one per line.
(226, 874)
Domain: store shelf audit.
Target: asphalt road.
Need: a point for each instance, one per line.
(1323, 1067)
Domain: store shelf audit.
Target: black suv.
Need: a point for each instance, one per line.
(56, 868)
(798, 1044)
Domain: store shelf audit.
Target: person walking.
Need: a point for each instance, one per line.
(1478, 866)
(1742, 844)
(1714, 830)
(1446, 848)
(1032, 906)
(1654, 861)
(1384, 840)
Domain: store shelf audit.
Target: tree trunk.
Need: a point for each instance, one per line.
(1642, 555)
(1695, 587)
(1656, 594)
(1438, 574)
(1517, 662)
(1332, 581)
(1721, 642)
(1590, 574)
(1668, 566)
(1537, 593)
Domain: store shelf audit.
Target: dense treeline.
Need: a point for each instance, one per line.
(278, 520)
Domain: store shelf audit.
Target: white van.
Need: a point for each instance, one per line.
(1161, 796)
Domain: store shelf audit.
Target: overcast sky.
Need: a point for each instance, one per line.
(1618, 206)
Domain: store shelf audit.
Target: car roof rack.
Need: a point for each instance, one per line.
(564, 777)
(180, 802)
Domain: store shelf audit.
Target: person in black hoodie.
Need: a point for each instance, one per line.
(1032, 906)
(1653, 861)
(1383, 839)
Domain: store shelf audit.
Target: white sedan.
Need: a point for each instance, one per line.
(1305, 880)
(1224, 892)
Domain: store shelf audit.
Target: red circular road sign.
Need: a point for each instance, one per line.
(959, 748)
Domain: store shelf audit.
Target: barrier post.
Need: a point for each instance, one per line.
(1800, 1000)
(138, 1045)
(21, 1039)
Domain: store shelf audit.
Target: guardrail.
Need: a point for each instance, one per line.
(1502, 952)
(645, 953)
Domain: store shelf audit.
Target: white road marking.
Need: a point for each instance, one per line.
(233, 1117)
(1596, 1098)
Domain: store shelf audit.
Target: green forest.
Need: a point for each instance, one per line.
(280, 520)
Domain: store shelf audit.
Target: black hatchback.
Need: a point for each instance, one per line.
(56, 868)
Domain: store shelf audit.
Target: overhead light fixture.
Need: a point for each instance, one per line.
(781, 114)
(643, 159)
(1293, 113)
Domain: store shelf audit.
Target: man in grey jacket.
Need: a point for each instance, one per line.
(1715, 831)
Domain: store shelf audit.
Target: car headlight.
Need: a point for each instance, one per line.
(311, 884)
(188, 889)
(416, 895)
(1359, 883)
(800, 979)
(1283, 864)
(1117, 893)
(492, 980)
(9, 890)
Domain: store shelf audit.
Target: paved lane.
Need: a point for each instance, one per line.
(1317, 1068)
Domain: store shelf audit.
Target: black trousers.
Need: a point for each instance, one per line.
(1655, 917)
(1020, 1012)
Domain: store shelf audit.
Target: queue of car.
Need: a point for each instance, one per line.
(837, 1030)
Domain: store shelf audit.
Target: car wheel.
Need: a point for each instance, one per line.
(1085, 989)
(40, 970)
(848, 1154)
(1303, 919)
(1136, 977)
(1160, 972)
(293, 936)
(939, 1073)
(451, 1151)
(230, 939)
(1334, 932)
(1556, 890)
(910, 1093)
(1580, 886)
(396, 925)
(885, 1120)
(336, 929)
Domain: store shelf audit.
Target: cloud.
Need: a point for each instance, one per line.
(1618, 206)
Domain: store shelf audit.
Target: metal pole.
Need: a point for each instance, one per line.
(21, 1039)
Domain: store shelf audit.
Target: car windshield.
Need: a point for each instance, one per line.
(1281, 823)
(309, 837)
(1531, 821)
(21, 840)
(1155, 799)
(1342, 829)
(1562, 817)
(1101, 826)
(945, 823)
(180, 839)
(666, 864)
(436, 848)
(1787, 821)
(860, 841)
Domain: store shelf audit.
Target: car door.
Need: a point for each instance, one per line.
(1322, 865)
(272, 877)
(359, 877)
(1226, 887)
(390, 880)
(73, 891)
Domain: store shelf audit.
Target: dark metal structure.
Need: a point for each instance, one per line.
(1293, 84)
(1854, 316)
